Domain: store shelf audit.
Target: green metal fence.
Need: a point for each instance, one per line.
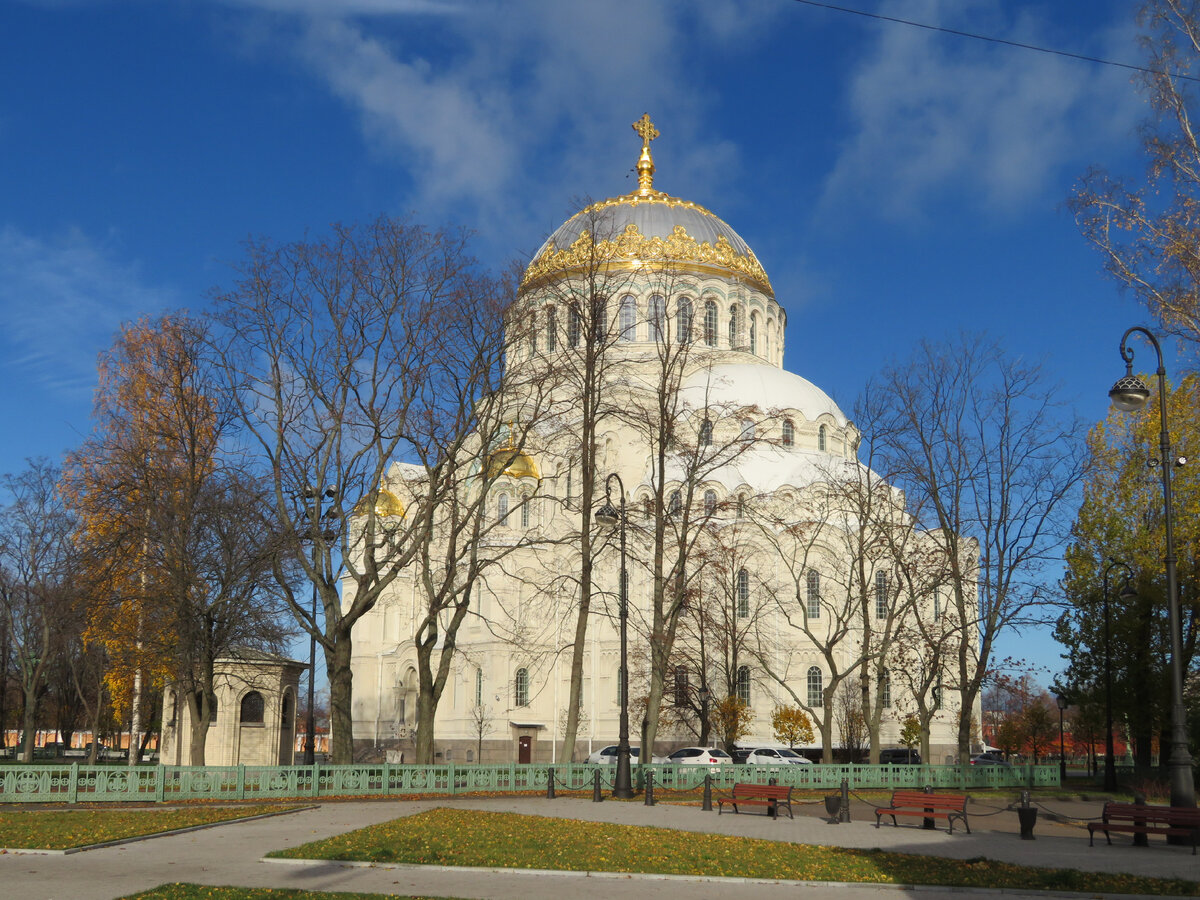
(77, 783)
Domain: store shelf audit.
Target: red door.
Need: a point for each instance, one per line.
(524, 748)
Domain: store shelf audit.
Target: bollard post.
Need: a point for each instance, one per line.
(550, 784)
(844, 813)
(927, 822)
(649, 789)
(1140, 839)
(706, 806)
(596, 796)
(1027, 816)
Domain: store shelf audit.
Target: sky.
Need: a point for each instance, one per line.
(895, 182)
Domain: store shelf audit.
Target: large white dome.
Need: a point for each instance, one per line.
(759, 384)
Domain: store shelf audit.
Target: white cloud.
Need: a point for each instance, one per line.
(934, 115)
(340, 8)
(62, 301)
(520, 98)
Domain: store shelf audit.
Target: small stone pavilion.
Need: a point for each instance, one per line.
(255, 723)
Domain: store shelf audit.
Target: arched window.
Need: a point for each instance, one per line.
(252, 709)
(813, 597)
(526, 503)
(754, 333)
(747, 430)
(479, 687)
(573, 326)
(885, 690)
(881, 595)
(628, 324)
(710, 502)
(676, 504)
(502, 510)
(821, 438)
(286, 715)
(521, 688)
(789, 433)
(600, 320)
(816, 688)
(681, 686)
(743, 684)
(937, 605)
(685, 316)
(743, 593)
(533, 333)
(741, 506)
(551, 329)
(706, 433)
(710, 323)
(735, 326)
(655, 313)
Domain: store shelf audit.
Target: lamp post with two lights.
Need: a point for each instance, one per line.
(609, 516)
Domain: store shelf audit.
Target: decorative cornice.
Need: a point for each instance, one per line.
(633, 246)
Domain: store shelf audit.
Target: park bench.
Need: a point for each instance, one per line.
(1139, 818)
(772, 796)
(927, 806)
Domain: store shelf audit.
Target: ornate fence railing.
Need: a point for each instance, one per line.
(77, 783)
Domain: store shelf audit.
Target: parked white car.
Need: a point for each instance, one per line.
(769, 756)
(608, 756)
(699, 756)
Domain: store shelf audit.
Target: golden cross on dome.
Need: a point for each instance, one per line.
(645, 167)
(646, 129)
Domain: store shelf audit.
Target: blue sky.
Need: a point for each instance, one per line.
(895, 182)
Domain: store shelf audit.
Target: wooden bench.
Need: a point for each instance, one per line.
(1139, 818)
(928, 806)
(773, 796)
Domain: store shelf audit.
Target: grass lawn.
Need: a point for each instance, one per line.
(457, 837)
(67, 828)
(206, 892)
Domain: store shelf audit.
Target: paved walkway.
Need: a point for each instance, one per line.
(232, 854)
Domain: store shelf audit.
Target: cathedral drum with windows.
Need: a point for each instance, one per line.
(773, 566)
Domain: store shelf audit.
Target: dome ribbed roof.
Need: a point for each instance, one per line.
(647, 227)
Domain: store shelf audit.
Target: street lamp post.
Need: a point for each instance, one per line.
(1128, 394)
(609, 516)
(1110, 763)
(1062, 747)
(316, 497)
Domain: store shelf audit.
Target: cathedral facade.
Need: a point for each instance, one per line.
(765, 567)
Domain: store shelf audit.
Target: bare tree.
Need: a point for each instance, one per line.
(481, 726)
(987, 459)
(37, 557)
(333, 346)
(568, 297)
(1149, 235)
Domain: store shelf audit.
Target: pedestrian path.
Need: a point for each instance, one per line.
(232, 854)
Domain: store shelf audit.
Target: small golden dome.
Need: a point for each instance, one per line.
(515, 463)
(387, 505)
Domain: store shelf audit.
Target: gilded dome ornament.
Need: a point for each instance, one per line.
(510, 461)
(646, 228)
(387, 505)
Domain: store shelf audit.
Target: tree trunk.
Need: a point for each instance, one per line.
(28, 722)
(341, 693)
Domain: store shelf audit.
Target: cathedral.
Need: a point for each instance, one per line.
(759, 559)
